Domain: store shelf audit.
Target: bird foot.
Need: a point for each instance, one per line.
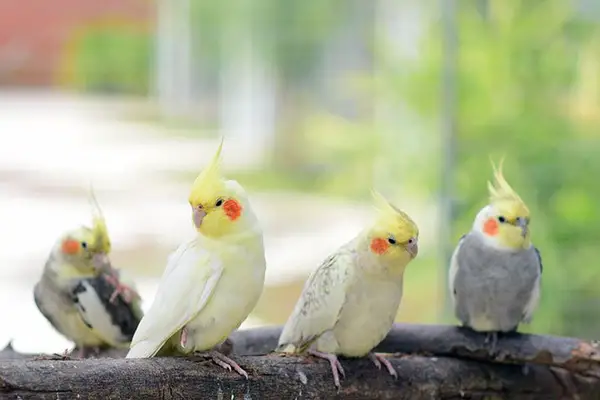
(334, 363)
(183, 337)
(378, 359)
(126, 292)
(225, 362)
(85, 352)
(63, 357)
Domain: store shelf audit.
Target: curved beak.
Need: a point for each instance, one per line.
(198, 215)
(522, 223)
(413, 248)
(101, 262)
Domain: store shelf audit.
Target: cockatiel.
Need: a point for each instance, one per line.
(77, 294)
(212, 282)
(349, 302)
(495, 270)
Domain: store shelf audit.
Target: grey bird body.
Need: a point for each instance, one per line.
(347, 306)
(80, 308)
(494, 290)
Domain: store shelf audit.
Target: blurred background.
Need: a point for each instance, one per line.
(319, 100)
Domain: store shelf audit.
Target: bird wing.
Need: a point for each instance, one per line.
(40, 294)
(534, 299)
(115, 322)
(454, 270)
(320, 303)
(189, 280)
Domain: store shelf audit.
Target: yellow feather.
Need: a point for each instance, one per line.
(501, 193)
(390, 215)
(101, 240)
(209, 181)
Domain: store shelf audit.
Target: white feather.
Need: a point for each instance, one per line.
(92, 311)
(189, 280)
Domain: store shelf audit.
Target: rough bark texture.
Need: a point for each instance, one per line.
(444, 363)
(450, 341)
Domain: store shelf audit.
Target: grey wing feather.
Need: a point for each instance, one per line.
(320, 303)
(116, 322)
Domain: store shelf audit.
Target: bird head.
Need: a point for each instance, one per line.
(219, 207)
(77, 249)
(86, 249)
(394, 235)
(504, 222)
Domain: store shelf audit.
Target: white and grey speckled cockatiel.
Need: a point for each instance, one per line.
(349, 303)
(82, 296)
(212, 282)
(495, 271)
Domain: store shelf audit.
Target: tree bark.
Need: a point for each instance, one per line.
(438, 362)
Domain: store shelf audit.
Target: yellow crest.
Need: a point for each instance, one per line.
(99, 230)
(501, 192)
(209, 180)
(397, 220)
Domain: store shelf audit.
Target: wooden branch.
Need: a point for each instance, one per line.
(444, 362)
(283, 377)
(441, 340)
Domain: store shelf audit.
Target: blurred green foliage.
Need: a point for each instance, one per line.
(338, 165)
(111, 57)
(290, 34)
(291, 37)
(524, 93)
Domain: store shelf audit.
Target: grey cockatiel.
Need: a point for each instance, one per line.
(495, 271)
(349, 303)
(80, 294)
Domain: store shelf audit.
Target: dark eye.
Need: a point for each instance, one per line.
(391, 240)
(84, 245)
(501, 219)
(219, 202)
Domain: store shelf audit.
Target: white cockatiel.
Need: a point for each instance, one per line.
(349, 303)
(495, 271)
(211, 283)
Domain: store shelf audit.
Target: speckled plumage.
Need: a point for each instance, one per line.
(79, 308)
(346, 307)
(493, 289)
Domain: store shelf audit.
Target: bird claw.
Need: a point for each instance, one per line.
(225, 362)
(334, 364)
(63, 357)
(183, 337)
(126, 292)
(378, 359)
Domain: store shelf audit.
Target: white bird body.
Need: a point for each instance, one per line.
(349, 303)
(352, 321)
(208, 289)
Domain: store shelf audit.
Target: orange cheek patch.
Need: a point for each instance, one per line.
(70, 246)
(491, 227)
(379, 245)
(232, 209)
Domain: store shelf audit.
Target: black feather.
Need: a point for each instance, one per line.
(121, 313)
(539, 256)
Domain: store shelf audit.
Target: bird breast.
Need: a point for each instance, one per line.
(367, 316)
